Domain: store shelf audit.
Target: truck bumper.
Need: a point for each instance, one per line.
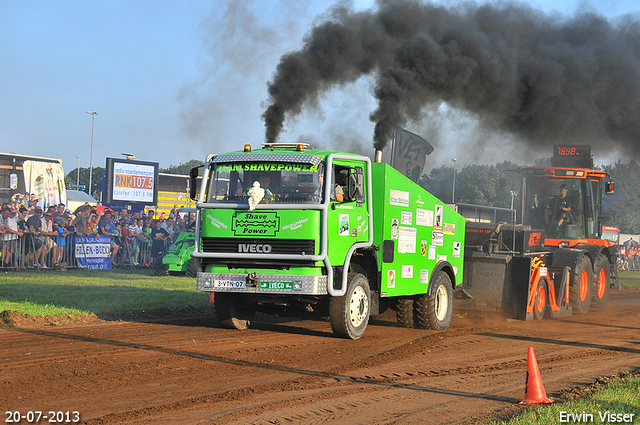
(262, 284)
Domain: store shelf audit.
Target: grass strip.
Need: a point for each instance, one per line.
(613, 399)
(76, 292)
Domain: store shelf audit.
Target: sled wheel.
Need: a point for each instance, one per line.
(581, 286)
(540, 303)
(192, 267)
(404, 312)
(232, 311)
(349, 314)
(601, 285)
(435, 311)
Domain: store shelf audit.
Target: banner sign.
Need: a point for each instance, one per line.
(46, 180)
(94, 253)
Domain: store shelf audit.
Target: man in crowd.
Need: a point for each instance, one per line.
(34, 224)
(81, 220)
(106, 228)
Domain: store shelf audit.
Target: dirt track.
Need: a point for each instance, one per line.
(185, 369)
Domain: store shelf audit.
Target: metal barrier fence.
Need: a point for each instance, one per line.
(46, 252)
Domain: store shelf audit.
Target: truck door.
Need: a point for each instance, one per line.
(348, 220)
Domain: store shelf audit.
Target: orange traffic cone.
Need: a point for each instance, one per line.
(211, 297)
(534, 390)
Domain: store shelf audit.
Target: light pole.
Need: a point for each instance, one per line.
(93, 117)
(78, 178)
(453, 194)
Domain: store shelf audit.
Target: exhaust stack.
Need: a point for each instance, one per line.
(378, 156)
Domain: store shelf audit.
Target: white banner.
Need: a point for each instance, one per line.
(45, 179)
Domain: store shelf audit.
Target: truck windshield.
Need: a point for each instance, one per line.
(282, 183)
(557, 205)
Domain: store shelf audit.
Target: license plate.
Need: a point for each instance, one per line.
(226, 283)
(276, 285)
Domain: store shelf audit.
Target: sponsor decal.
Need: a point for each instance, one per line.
(424, 217)
(456, 249)
(276, 285)
(406, 218)
(407, 271)
(399, 197)
(424, 276)
(441, 258)
(432, 252)
(391, 279)
(394, 228)
(343, 219)
(438, 217)
(407, 240)
(253, 223)
(215, 222)
(437, 238)
(295, 225)
(419, 201)
(423, 248)
(449, 229)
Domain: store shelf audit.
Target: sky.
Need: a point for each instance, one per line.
(174, 81)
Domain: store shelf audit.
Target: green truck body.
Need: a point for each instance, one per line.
(387, 241)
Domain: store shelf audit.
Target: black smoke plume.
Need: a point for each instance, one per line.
(546, 78)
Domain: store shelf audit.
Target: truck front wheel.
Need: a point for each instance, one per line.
(232, 311)
(349, 314)
(581, 286)
(435, 311)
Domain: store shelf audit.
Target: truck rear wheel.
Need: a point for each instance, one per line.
(435, 311)
(404, 312)
(581, 286)
(601, 285)
(232, 311)
(349, 314)
(540, 303)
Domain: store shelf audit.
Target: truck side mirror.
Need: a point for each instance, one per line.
(608, 188)
(193, 177)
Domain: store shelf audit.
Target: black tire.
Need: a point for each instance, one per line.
(404, 312)
(541, 301)
(435, 311)
(232, 311)
(601, 284)
(581, 286)
(192, 267)
(160, 270)
(349, 314)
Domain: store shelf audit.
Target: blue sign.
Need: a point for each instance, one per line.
(94, 253)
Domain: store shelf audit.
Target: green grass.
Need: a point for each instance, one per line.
(616, 395)
(93, 292)
(629, 279)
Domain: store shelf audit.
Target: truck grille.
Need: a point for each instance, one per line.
(249, 246)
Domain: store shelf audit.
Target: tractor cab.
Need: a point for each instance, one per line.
(565, 199)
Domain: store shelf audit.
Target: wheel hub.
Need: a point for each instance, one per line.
(358, 307)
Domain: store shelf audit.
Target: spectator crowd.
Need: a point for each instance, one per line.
(33, 237)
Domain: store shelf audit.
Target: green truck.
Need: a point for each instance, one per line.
(287, 227)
